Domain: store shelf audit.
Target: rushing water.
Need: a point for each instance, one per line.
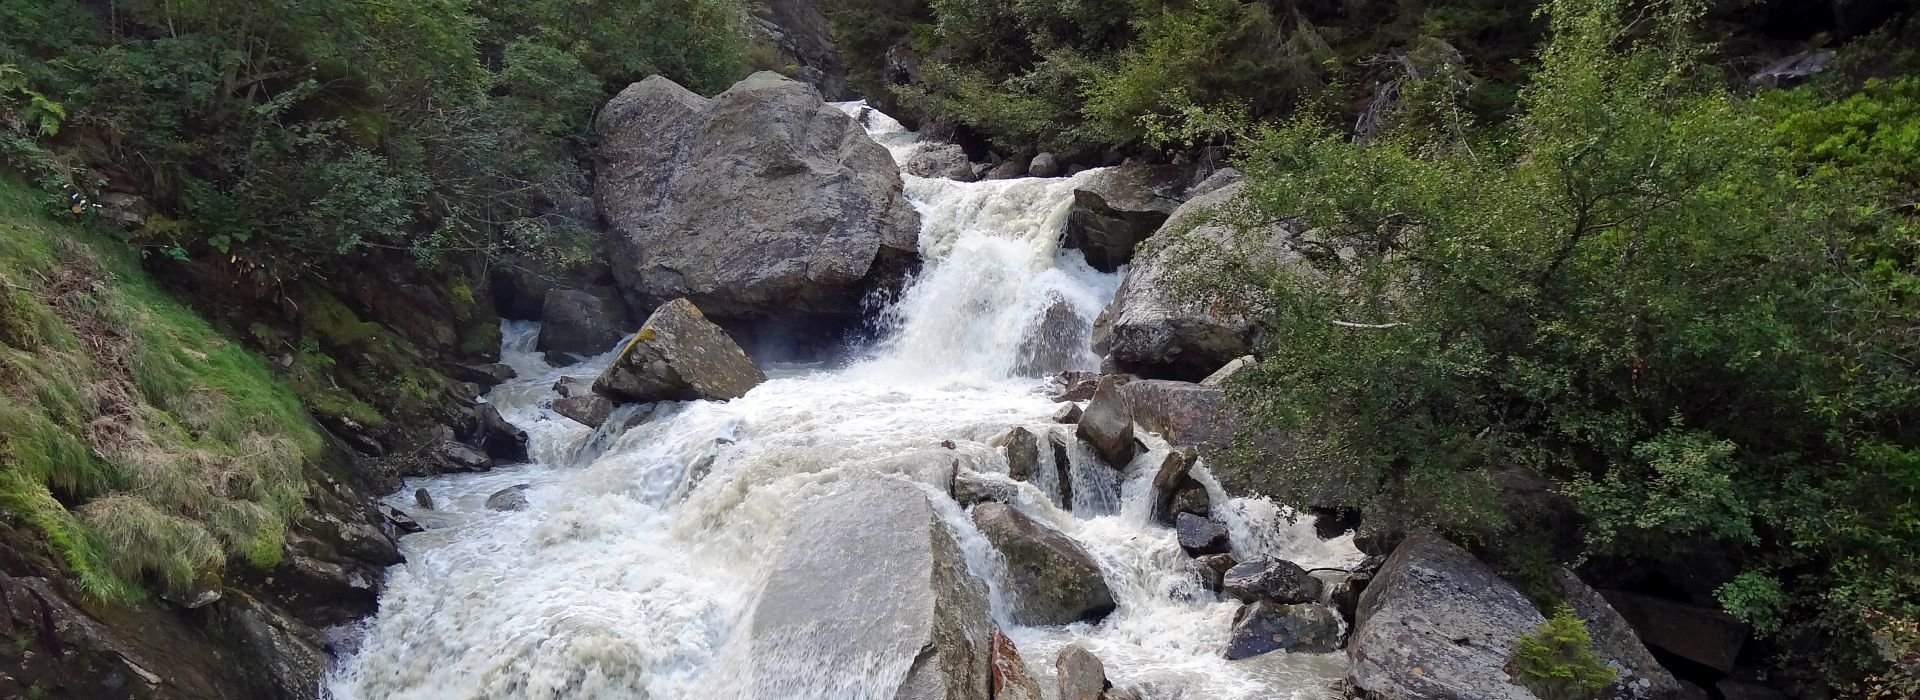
(631, 574)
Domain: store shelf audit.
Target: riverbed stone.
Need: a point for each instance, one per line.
(1011, 679)
(1080, 674)
(971, 487)
(1198, 535)
(509, 499)
(1276, 580)
(500, 439)
(1266, 626)
(942, 160)
(1213, 569)
(679, 356)
(1052, 580)
(1022, 450)
(870, 555)
(762, 201)
(589, 410)
(584, 323)
(1068, 414)
(1107, 423)
(1435, 608)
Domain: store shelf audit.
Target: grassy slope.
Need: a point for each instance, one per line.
(143, 445)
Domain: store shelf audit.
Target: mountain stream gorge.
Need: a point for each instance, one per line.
(648, 560)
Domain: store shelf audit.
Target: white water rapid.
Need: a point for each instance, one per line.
(631, 573)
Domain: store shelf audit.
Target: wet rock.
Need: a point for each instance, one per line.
(1153, 329)
(760, 200)
(1057, 342)
(399, 519)
(491, 432)
(570, 386)
(509, 499)
(1265, 626)
(802, 40)
(1376, 541)
(944, 160)
(970, 487)
(589, 410)
(1341, 590)
(1007, 170)
(1011, 680)
(561, 359)
(290, 655)
(1044, 165)
(1114, 212)
(1062, 469)
(870, 555)
(1701, 635)
(1198, 535)
(1637, 674)
(486, 375)
(1073, 386)
(1213, 569)
(1107, 423)
(423, 498)
(1022, 450)
(1051, 579)
(1068, 414)
(1080, 674)
(583, 323)
(313, 580)
(1432, 606)
(1175, 491)
(1275, 580)
(451, 456)
(1226, 373)
(679, 356)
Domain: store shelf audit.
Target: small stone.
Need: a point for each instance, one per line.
(1266, 626)
(570, 386)
(1080, 674)
(1213, 569)
(399, 519)
(971, 488)
(1068, 414)
(1276, 580)
(423, 498)
(1199, 535)
(590, 410)
(1022, 450)
(511, 498)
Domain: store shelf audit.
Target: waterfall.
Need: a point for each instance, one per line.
(631, 573)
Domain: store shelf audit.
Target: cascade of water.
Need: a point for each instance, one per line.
(632, 572)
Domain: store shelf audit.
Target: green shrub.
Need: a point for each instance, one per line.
(1556, 661)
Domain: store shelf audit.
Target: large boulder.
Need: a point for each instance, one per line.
(1022, 449)
(1157, 325)
(589, 410)
(1266, 626)
(1055, 342)
(943, 160)
(679, 356)
(1052, 580)
(583, 323)
(1437, 623)
(1199, 536)
(1080, 674)
(1107, 423)
(761, 200)
(1637, 675)
(1274, 580)
(1117, 209)
(873, 555)
(491, 432)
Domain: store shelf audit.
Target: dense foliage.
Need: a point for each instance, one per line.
(293, 131)
(1692, 313)
(1078, 77)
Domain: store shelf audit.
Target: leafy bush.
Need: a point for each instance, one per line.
(1556, 661)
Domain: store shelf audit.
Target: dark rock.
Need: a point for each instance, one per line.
(423, 498)
(1701, 635)
(1199, 535)
(583, 323)
(322, 586)
(871, 555)
(1376, 541)
(1056, 342)
(1745, 690)
(589, 410)
(1114, 212)
(1432, 606)
(292, 656)
(1062, 469)
(560, 359)
(450, 456)
(1011, 679)
(679, 356)
(1638, 675)
(1341, 590)
(399, 519)
(762, 199)
(970, 488)
(1007, 170)
(1044, 165)
(1227, 372)
(1051, 579)
(1309, 628)
(801, 36)
(1175, 492)
(1080, 674)
(1022, 450)
(1329, 523)
(570, 386)
(1275, 580)
(509, 499)
(486, 375)
(1213, 569)
(491, 432)
(942, 160)
(1073, 386)
(1068, 414)
(1107, 423)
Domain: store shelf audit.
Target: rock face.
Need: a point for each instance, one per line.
(1708, 637)
(1435, 608)
(1053, 580)
(1044, 165)
(1152, 327)
(943, 160)
(1266, 626)
(1112, 215)
(1637, 675)
(1199, 535)
(1273, 580)
(798, 30)
(762, 199)
(1107, 423)
(872, 555)
(679, 356)
(583, 323)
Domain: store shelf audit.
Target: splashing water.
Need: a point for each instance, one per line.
(632, 572)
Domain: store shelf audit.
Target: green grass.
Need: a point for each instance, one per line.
(148, 449)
